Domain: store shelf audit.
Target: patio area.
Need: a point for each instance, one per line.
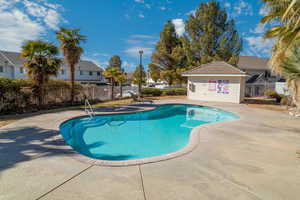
(251, 158)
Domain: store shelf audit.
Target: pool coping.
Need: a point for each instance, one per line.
(194, 140)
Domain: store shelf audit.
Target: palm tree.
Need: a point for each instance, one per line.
(41, 63)
(286, 14)
(70, 40)
(121, 79)
(291, 70)
(113, 74)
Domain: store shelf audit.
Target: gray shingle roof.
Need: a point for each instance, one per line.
(253, 63)
(13, 57)
(216, 67)
(88, 66)
(16, 59)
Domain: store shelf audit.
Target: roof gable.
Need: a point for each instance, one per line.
(215, 68)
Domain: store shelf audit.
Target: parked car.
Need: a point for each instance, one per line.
(127, 93)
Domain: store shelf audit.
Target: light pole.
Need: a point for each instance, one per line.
(140, 81)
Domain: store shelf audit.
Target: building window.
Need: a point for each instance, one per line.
(1, 69)
(91, 73)
(62, 72)
(21, 70)
(81, 72)
(98, 74)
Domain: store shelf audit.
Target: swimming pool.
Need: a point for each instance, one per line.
(132, 136)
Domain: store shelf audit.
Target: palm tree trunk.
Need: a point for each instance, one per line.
(72, 68)
(40, 92)
(112, 89)
(40, 95)
(121, 90)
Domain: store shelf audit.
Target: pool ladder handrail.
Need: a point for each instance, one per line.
(88, 108)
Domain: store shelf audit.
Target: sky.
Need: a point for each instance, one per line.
(120, 27)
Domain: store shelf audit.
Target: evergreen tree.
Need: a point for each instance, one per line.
(115, 61)
(211, 36)
(136, 76)
(154, 72)
(168, 57)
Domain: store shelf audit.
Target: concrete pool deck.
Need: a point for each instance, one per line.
(251, 158)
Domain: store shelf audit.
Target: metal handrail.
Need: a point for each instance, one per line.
(88, 108)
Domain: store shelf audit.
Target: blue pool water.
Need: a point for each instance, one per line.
(139, 135)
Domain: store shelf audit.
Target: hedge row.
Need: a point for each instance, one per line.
(164, 92)
(8, 84)
(17, 96)
(274, 94)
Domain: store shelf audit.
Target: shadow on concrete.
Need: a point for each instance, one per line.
(24, 144)
(261, 101)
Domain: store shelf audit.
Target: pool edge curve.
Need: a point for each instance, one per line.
(194, 140)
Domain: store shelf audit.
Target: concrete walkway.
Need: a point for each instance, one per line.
(251, 158)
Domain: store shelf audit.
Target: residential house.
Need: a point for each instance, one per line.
(260, 78)
(11, 66)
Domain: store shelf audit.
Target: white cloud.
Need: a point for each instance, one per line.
(258, 46)
(264, 10)
(128, 66)
(131, 41)
(141, 15)
(259, 29)
(163, 8)
(52, 19)
(148, 6)
(192, 12)
(35, 9)
(179, 26)
(5, 4)
(100, 54)
(242, 8)
(140, 36)
(26, 20)
(15, 28)
(140, 42)
(48, 13)
(227, 4)
(134, 51)
(139, 1)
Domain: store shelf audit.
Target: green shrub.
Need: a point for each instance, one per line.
(270, 93)
(17, 95)
(274, 94)
(165, 92)
(152, 92)
(175, 92)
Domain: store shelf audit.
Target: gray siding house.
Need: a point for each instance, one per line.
(260, 77)
(11, 66)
